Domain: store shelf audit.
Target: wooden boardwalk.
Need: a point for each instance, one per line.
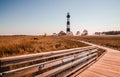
(107, 66)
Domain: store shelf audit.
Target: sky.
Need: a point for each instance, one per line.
(36, 17)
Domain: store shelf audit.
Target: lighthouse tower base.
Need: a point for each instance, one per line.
(69, 34)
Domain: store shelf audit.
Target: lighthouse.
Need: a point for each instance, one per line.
(68, 23)
(68, 31)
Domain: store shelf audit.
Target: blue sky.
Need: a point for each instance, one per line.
(36, 17)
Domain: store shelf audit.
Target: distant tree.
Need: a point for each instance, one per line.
(85, 32)
(78, 33)
(45, 35)
(97, 33)
(111, 32)
(61, 33)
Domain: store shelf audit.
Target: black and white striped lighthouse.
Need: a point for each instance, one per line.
(68, 23)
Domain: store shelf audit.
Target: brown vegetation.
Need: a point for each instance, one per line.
(108, 41)
(18, 45)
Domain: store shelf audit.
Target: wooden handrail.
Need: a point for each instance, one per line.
(4, 62)
(61, 59)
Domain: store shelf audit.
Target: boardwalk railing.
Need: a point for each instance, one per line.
(63, 63)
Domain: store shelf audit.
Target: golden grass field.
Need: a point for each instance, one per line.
(19, 45)
(112, 41)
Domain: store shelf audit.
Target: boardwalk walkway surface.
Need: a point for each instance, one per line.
(107, 66)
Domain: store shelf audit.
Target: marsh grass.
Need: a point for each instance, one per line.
(108, 41)
(19, 45)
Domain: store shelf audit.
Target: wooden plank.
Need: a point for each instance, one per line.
(63, 67)
(108, 65)
(79, 67)
(69, 58)
(88, 73)
(21, 73)
(105, 72)
(111, 62)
